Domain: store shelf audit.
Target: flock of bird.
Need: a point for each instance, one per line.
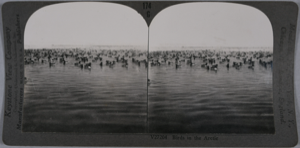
(210, 59)
(85, 59)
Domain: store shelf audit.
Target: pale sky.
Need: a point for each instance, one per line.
(208, 24)
(86, 23)
(211, 24)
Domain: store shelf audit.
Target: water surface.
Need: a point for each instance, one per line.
(196, 100)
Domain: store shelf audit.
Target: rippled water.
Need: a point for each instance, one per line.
(65, 98)
(68, 99)
(195, 100)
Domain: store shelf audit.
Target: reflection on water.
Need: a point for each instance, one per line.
(192, 99)
(66, 98)
(113, 99)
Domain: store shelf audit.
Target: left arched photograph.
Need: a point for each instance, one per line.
(85, 69)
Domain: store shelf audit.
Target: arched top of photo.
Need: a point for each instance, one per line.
(86, 25)
(211, 25)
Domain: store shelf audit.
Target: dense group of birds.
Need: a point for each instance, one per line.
(85, 59)
(209, 59)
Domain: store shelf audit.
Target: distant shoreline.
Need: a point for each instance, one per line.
(160, 48)
(194, 48)
(87, 47)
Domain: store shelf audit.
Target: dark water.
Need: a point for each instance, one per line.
(195, 100)
(65, 98)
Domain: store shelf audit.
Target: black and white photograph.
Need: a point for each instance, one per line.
(210, 70)
(150, 73)
(85, 70)
(205, 68)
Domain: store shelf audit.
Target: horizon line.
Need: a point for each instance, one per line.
(74, 46)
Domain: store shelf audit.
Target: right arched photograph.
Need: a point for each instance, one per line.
(210, 70)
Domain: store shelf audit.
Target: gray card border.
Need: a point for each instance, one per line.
(283, 16)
